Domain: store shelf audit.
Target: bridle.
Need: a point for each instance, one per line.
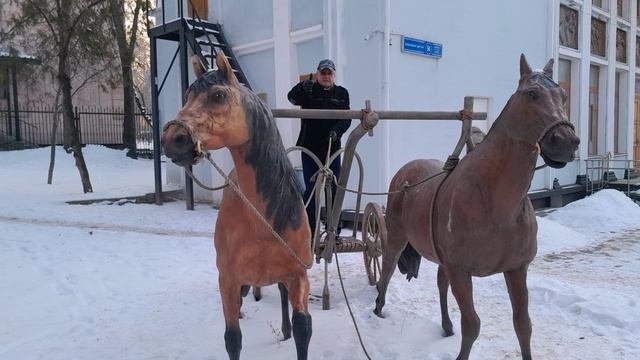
(553, 125)
(544, 133)
(198, 152)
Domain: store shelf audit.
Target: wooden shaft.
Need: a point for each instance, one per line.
(382, 115)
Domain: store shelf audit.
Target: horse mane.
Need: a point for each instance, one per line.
(275, 178)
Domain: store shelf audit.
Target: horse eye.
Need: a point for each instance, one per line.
(218, 96)
(532, 94)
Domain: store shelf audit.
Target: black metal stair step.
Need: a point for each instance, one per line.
(203, 23)
(208, 43)
(203, 29)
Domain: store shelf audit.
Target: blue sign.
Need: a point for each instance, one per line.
(421, 47)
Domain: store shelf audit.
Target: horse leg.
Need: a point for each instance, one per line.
(462, 288)
(517, 285)
(284, 302)
(298, 288)
(257, 293)
(244, 290)
(396, 245)
(231, 301)
(443, 287)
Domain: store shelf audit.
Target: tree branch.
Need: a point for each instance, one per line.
(78, 18)
(49, 24)
(134, 27)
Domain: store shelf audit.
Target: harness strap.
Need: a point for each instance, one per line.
(553, 125)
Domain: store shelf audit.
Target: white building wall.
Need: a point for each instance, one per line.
(278, 40)
(481, 51)
(359, 61)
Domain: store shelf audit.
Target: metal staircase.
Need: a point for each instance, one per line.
(201, 38)
(205, 39)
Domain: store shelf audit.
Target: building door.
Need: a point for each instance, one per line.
(201, 8)
(636, 141)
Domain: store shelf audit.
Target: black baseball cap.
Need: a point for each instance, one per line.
(326, 64)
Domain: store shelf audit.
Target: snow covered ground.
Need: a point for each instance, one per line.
(139, 281)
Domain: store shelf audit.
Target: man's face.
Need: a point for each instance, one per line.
(326, 77)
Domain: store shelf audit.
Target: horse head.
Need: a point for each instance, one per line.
(212, 117)
(540, 105)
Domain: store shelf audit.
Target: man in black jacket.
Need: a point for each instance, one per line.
(315, 134)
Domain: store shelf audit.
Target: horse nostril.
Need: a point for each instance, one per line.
(180, 140)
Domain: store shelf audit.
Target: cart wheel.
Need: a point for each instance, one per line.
(374, 233)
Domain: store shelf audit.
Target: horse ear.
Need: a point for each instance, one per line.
(225, 69)
(548, 69)
(198, 69)
(525, 69)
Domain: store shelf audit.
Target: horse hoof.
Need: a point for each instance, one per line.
(286, 336)
(241, 315)
(379, 313)
(448, 332)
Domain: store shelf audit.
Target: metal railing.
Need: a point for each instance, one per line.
(606, 171)
(98, 125)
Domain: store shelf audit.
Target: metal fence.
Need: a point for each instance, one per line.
(98, 125)
(605, 171)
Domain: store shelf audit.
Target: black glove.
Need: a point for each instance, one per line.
(333, 136)
(307, 85)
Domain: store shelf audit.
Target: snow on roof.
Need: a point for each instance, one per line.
(13, 53)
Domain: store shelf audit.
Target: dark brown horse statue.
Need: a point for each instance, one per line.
(478, 221)
(220, 112)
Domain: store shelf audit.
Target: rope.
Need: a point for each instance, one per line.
(405, 186)
(193, 177)
(353, 318)
(257, 213)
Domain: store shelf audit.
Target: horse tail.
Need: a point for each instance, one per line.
(409, 262)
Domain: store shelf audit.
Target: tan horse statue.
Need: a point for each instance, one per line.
(220, 112)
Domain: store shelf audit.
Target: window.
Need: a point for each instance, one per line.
(564, 80)
(308, 54)
(622, 9)
(601, 4)
(620, 125)
(568, 27)
(598, 37)
(637, 51)
(616, 116)
(594, 90)
(621, 46)
(636, 118)
(306, 13)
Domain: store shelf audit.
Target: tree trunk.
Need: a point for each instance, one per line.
(82, 168)
(125, 50)
(71, 131)
(129, 125)
(52, 158)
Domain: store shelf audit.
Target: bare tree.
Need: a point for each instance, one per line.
(123, 12)
(68, 33)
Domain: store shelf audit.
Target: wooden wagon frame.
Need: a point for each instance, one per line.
(373, 227)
